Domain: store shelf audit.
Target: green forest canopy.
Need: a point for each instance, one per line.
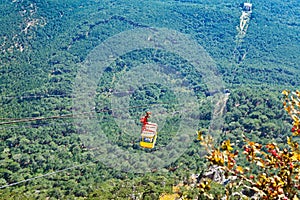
(43, 44)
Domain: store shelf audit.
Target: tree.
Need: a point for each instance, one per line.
(272, 172)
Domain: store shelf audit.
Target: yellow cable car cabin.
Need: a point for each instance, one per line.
(148, 135)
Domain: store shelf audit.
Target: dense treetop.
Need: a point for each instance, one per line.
(43, 45)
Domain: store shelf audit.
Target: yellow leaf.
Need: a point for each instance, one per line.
(240, 169)
(284, 92)
(251, 143)
(289, 141)
(295, 118)
(296, 157)
(261, 164)
(169, 196)
(288, 109)
(227, 146)
(176, 189)
(200, 135)
(258, 183)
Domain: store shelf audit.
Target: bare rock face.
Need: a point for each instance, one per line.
(215, 173)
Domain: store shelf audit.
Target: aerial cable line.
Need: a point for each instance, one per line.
(35, 96)
(55, 172)
(30, 119)
(42, 118)
(65, 169)
(58, 171)
(36, 125)
(42, 176)
(73, 116)
(62, 123)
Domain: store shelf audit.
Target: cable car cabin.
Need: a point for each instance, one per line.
(148, 135)
(247, 7)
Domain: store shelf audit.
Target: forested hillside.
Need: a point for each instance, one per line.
(43, 46)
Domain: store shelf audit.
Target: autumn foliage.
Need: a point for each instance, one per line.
(277, 167)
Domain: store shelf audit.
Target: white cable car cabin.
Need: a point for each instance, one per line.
(148, 135)
(247, 7)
